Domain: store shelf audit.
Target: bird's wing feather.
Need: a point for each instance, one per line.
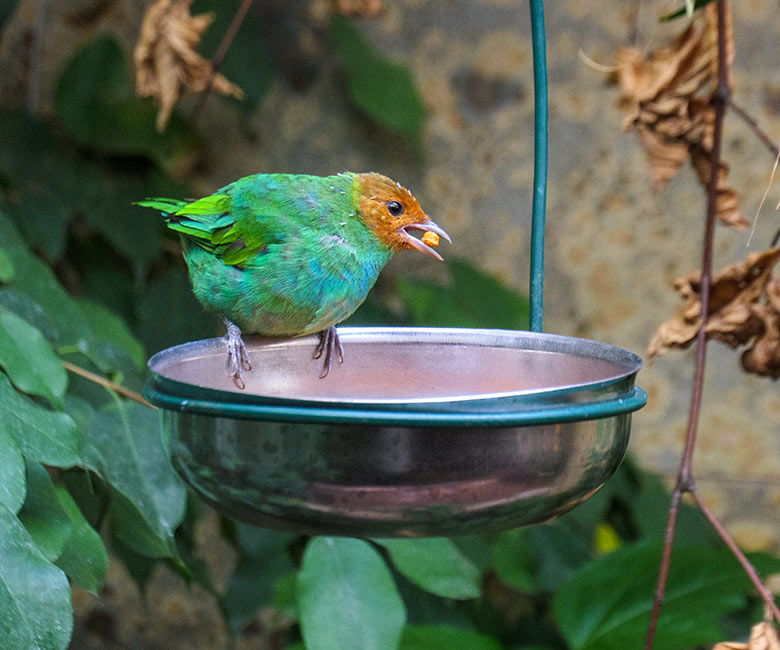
(210, 223)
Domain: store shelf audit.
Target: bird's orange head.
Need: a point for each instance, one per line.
(390, 210)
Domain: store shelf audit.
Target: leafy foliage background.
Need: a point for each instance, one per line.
(88, 279)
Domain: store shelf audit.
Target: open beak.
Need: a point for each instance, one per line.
(428, 226)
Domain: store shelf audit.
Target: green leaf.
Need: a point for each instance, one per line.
(93, 78)
(109, 327)
(44, 181)
(95, 102)
(28, 359)
(264, 558)
(135, 531)
(285, 595)
(384, 90)
(140, 567)
(13, 484)
(606, 604)
(45, 193)
(436, 565)
(471, 299)
(253, 585)
(35, 605)
(438, 637)
(559, 549)
(513, 560)
(6, 268)
(83, 558)
(263, 561)
(137, 234)
(347, 597)
(683, 11)
(42, 515)
(61, 320)
(649, 503)
(45, 436)
(123, 444)
(171, 293)
(253, 74)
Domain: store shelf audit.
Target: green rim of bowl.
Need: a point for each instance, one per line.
(621, 405)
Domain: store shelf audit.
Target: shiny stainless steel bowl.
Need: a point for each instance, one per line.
(421, 432)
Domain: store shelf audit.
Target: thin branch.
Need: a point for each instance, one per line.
(728, 540)
(219, 55)
(719, 101)
(663, 567)
(763, 199)
(757, 130)
(105, 383)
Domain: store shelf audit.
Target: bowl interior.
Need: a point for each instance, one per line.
(403, 365)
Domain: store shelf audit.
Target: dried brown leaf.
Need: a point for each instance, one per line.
(762, 637)
(763, 357)
(735, 315)
(165, 59)
(726, 204)
(666, 95)
(666, 155)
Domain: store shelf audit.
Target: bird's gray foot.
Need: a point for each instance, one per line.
(238, 358)
(329, 343)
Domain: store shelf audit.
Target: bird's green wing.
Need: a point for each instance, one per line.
(210, 223)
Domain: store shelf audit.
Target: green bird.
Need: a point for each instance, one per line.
(290, 255)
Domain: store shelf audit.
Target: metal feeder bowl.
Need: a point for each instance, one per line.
(421, 432)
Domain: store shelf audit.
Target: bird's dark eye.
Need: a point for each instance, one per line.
(394, 208)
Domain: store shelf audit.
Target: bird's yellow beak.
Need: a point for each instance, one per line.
(428, 226)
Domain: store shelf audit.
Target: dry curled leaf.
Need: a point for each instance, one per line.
(666, 95)
(165, 59)
(763, 357)
(762, 637)
(744, 309)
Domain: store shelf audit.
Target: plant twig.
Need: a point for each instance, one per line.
(102, 381)
(685, 482)
(219, 55)
(753, 124)
(763, 199)
(720, 100)
(728, 540)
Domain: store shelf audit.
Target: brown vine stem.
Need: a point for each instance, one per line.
(685, 481)
(219, 55)
(749, 569)
(685, 475)
(753, 124)
(102, 381)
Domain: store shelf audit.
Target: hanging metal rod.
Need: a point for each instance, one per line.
(540, 165)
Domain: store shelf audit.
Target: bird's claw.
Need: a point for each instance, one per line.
(329, 343)
(238, 357)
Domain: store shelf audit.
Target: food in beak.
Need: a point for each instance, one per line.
(428, 241)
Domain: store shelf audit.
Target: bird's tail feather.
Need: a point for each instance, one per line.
(166, 206)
